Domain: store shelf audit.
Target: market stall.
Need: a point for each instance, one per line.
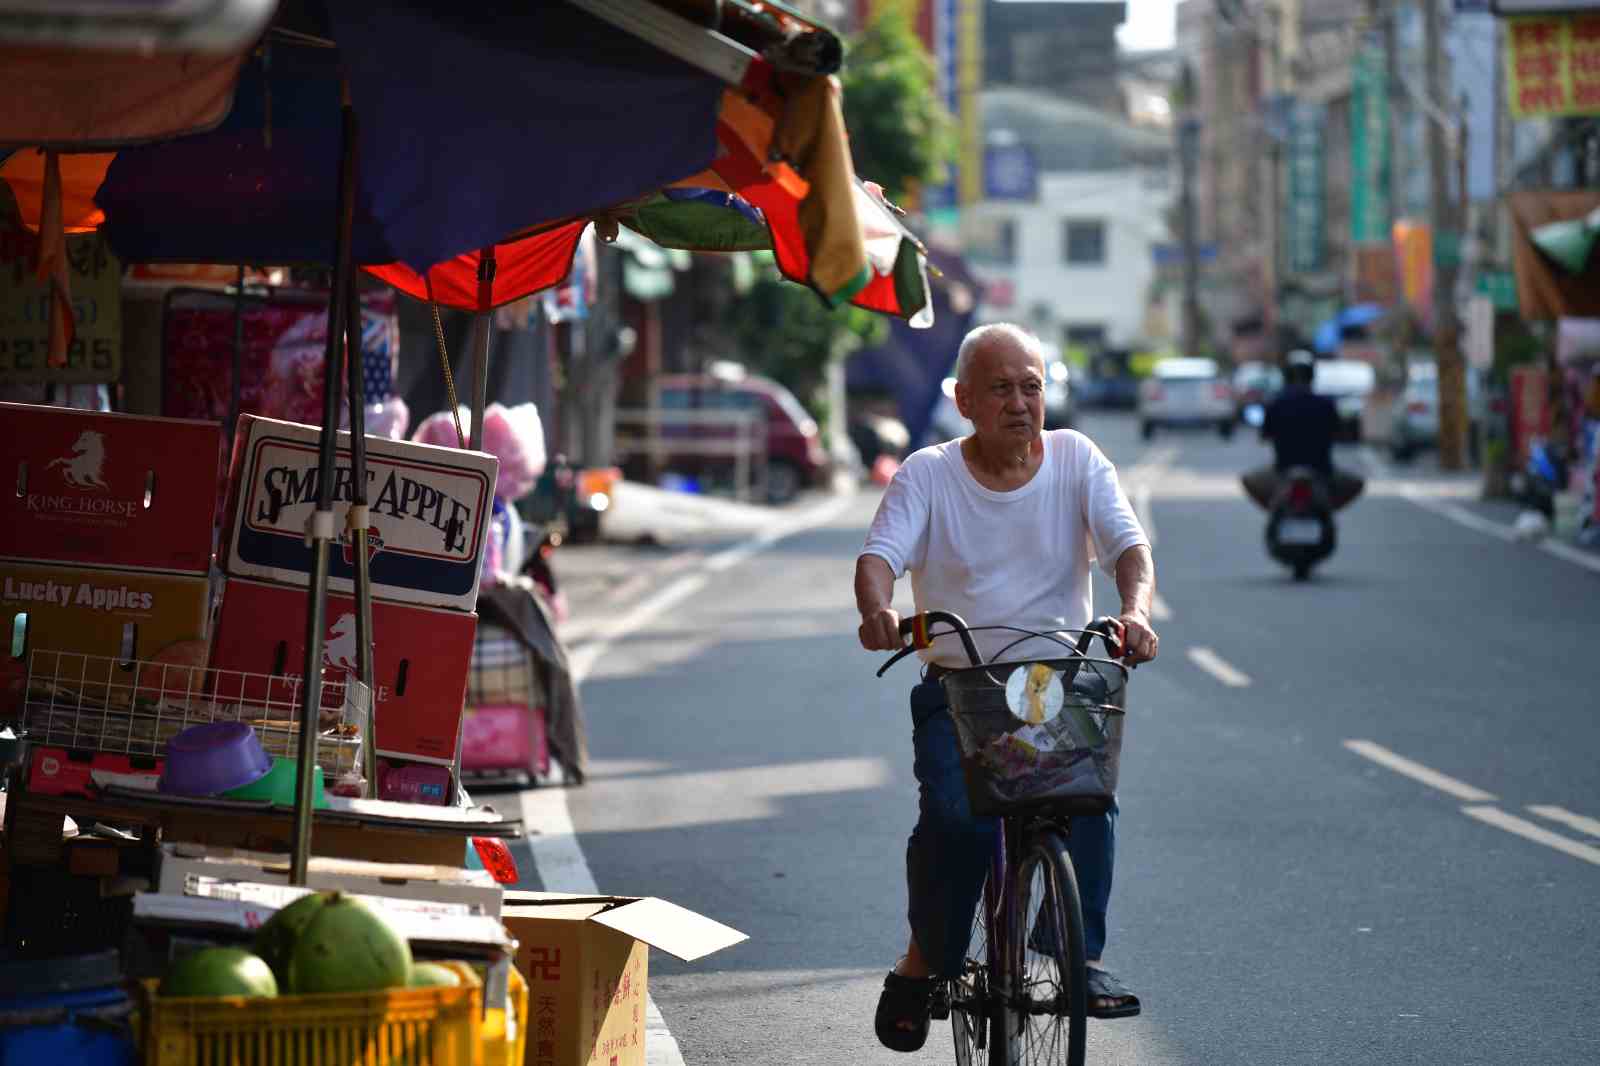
(348, 565)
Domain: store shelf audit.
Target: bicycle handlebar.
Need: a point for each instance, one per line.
(919, 628)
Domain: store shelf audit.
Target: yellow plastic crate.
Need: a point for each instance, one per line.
(505, 1028)
(398, 1027)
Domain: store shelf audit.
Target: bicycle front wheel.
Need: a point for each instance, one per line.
(1045, 1000)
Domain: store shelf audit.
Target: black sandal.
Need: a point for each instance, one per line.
(904, 999)
(1103, 985)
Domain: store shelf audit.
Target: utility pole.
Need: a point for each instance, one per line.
(1188, 127)
(1447, 215)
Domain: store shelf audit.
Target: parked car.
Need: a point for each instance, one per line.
(1348, 382)
(1186, 393)
(796, 457)
(1058, 399)
(1414, 423)
(1255, 384)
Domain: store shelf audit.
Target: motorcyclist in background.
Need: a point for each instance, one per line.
(1302, 427)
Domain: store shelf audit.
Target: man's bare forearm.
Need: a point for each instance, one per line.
(1136, 580)
(874, 585)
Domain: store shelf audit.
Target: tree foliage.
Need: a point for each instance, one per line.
(901, 135)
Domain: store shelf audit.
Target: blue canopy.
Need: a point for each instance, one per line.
(474, 122)
(1330, 333)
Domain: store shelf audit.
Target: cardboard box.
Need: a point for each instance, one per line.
(107, 490)
(97, 619)
(73, 772)
(428, 524)
(420, 656)
(474, 889)
(586, 962)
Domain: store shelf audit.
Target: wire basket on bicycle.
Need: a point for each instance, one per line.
(1061, 749)
(1069, 759)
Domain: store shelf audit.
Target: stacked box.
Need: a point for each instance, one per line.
(427, 525)
(105, 545)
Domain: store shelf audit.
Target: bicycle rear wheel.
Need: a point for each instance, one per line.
(1044, 1019)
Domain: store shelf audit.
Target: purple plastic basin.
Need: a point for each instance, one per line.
(204, 760)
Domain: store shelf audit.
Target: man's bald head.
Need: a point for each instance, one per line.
(994, 335)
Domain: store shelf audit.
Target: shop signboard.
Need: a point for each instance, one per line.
(1369, 148)
(1304, 206)
(1553, 65)
(95, 354)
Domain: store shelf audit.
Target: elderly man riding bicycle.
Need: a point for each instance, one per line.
(997, 527)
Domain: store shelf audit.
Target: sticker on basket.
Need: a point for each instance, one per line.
(1034, 693)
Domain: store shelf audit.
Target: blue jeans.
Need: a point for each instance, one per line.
(948, 853)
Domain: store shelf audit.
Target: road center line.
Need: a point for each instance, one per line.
(557, 856)
(1219, 668)
(1567, 818)
(1417, 772)
(1538, 834)
(1159, 609)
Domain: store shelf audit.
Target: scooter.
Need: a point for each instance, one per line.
(1300, 527)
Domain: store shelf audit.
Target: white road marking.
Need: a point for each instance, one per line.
(1538, 834)
(1219, 668)
(1567, 818)
(556, 853)
(1458, 514)
(1571, 554)
(1417, 772)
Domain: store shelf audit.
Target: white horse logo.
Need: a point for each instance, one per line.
(340, 648)
(82, 468)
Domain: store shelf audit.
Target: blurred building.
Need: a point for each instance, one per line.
(1076, 204)
(1066, 48)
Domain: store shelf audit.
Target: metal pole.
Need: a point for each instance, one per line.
(1446, 226)
(481, 327)
(238, 355)
(1188, 149)
(322, 527)
(356, 524)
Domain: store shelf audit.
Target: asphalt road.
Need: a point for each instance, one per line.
(1284, 893)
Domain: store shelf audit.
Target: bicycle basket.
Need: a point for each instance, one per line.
(1069, 762)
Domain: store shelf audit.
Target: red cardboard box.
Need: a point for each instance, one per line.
(428, 522)
(108, 490)
(420, 657)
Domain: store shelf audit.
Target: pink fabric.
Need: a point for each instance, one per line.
(505, 737)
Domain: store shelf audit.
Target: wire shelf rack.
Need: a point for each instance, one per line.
(133, 707)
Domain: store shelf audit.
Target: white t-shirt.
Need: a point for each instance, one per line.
(1016, 558)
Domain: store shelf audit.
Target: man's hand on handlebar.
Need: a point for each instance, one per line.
(880, 630)
(1139, 641)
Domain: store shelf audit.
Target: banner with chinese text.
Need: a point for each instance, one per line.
(1553, 66)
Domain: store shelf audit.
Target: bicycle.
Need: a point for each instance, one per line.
(1022, 980)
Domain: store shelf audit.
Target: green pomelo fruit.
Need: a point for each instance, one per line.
(348, 947)
(432, 975)
(276, 940)
(219, 972)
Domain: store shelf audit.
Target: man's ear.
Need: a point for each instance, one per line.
(961, 401)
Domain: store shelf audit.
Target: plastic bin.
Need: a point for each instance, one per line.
(505, 1027)
(409, 1026)
(70, 1010)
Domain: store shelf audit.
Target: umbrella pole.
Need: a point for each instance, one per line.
(321, 531)
(238, 353)
(481, 328)
(357, 525)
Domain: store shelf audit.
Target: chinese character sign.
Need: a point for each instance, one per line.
(1553, 66)
(95, 355)
(1304, 204)
(1369, 149)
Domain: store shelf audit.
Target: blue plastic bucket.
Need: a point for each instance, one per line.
(71, 1010)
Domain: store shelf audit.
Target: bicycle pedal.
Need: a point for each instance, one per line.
(939, 1003)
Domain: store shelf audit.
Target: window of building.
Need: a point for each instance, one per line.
(1083, 241)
